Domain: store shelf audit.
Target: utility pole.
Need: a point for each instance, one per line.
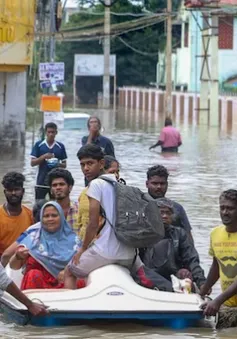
(52, 31)
(106, 77)
(214, 86)
(205, 71)
(168, 94)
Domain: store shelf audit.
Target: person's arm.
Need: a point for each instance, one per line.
(19, 258)
(109, 150)
(190, 258)
(93, 133)
(159, 143)
(6, 284)
(92, 227)
(36, 158)
(34, 308)
(63, 164)
(212, 278)
(160, 140)
(42, 158)
(179, 141)
(63, 158)
(94, 194)
(212, 307)
(8, 253)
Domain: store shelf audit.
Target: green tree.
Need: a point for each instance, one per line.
(136, 50)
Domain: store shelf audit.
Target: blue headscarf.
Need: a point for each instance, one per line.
(52, 250)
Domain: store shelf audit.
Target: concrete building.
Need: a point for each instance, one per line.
(16, 50)
(187, 60)
(70, 8)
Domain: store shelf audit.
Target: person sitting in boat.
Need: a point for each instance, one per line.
(157, 185)
(100, 247)
(223, 242)
(112, 166)
(61, 183)
(175, 254)
(45, 252)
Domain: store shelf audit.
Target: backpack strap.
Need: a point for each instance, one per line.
(112, 182)
(103, 214)
(108, 180)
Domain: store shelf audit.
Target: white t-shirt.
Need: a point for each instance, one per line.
(107, 245)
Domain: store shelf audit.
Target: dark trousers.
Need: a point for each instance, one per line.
(169, 149)
(41, 192)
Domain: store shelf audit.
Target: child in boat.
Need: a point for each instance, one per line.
(45, 252)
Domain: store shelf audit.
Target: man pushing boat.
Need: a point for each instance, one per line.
(223, 249)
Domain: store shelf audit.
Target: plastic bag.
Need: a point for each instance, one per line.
(181, 285)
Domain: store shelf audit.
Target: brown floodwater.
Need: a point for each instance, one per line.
(205, 166)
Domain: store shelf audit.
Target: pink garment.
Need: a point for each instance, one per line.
(170, 137)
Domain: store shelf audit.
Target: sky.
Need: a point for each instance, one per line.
(72, 3)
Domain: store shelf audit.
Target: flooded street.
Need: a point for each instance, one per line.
(205, 166)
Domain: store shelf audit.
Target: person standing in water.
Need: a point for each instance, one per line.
(43, 151)
(94, 137)
(170, 138)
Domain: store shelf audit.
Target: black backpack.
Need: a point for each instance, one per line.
(138, 220)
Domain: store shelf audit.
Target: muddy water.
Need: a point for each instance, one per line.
(205, 166)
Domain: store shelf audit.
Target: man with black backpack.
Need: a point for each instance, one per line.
(101, 246)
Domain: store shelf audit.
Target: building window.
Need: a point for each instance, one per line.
(226, 29)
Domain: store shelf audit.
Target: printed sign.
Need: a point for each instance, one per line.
(92, 64)
(17, 21)
(51, 103)
(48, 84)
(52, 72)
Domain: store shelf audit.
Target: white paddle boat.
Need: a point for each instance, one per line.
(110, 294)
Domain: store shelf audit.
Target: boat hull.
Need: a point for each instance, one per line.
(110, 295)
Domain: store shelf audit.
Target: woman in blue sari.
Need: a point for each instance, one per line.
(45, 252)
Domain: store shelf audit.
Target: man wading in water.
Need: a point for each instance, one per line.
(223, 245)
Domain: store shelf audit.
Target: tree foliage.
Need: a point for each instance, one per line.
(136, 54)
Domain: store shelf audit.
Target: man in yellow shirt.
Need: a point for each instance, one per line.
(15, 218)
(223, 249)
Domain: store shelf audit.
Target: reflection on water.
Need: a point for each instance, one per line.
(205, 166)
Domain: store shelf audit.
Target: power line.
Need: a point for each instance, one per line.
(135, 49)
(97, 37)
(116, 13)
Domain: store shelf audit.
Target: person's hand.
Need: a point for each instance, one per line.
(61, 276)
(22, 253)
(93, 131)
(37, 309)
(202, 291)
(77, 256)
(47, 156)
(210, 308)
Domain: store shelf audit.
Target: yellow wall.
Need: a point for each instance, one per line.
(17, 19)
